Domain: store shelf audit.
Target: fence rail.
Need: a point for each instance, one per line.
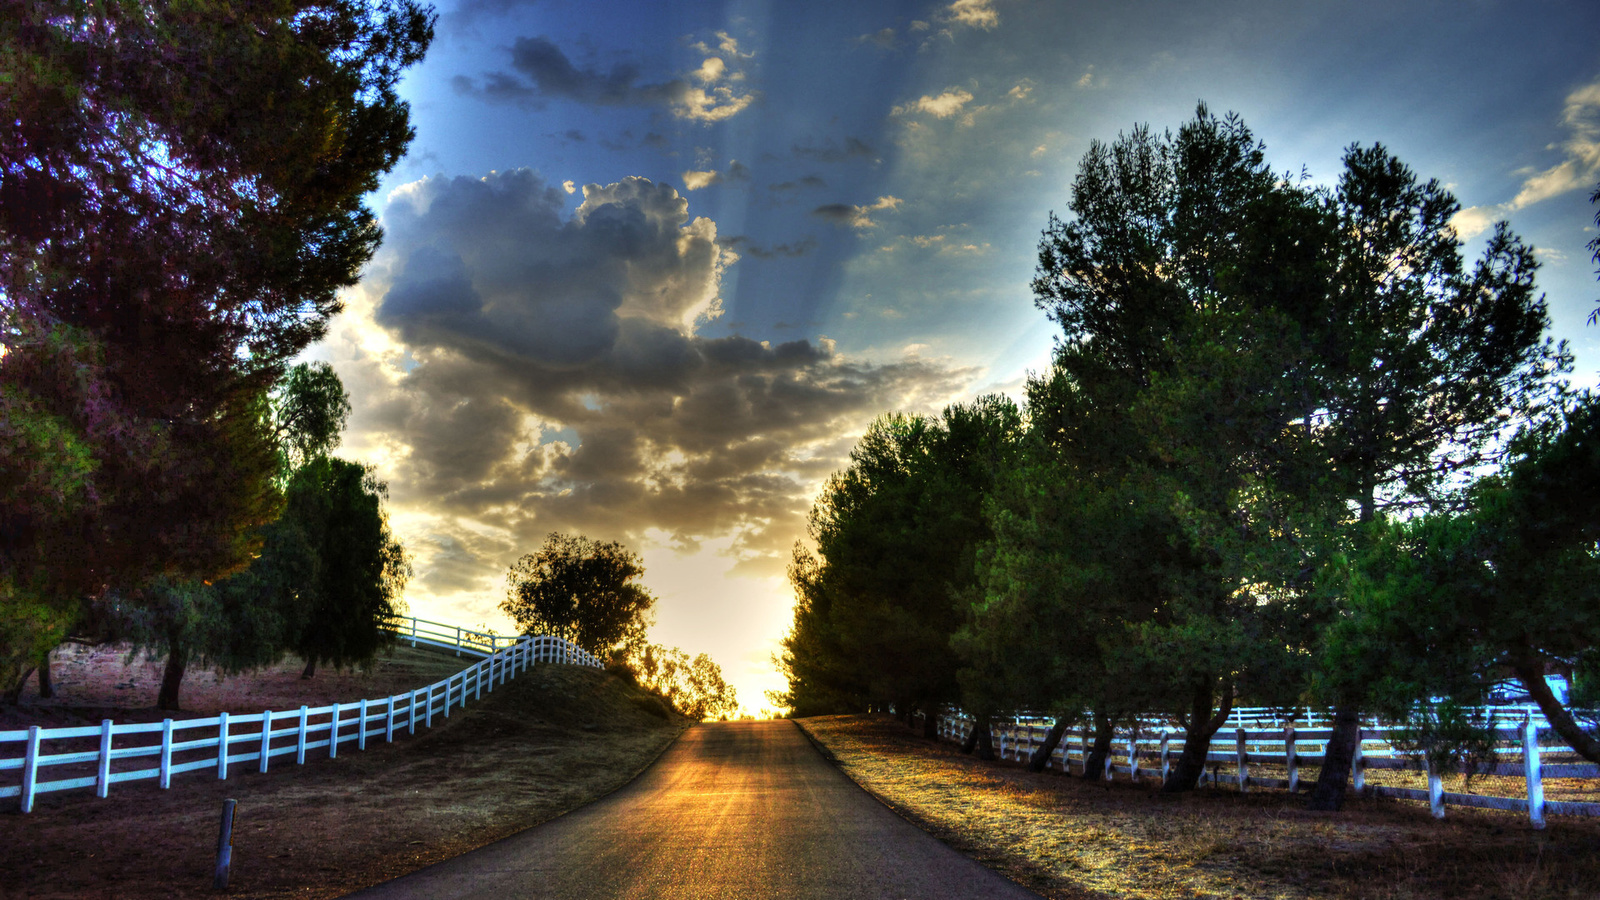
(60, 759)
(1281, 746)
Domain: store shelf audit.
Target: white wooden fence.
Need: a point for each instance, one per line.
(1287, 747)
(60, 759)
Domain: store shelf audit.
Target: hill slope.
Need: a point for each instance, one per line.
(549, 741)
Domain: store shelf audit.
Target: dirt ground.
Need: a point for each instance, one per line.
(1068, 838)
(549, 741)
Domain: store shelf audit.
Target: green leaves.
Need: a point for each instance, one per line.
(579, 590)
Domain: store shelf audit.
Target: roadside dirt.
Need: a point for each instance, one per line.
(548, 742)
(1069, 838)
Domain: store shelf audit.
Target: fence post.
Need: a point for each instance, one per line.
(1358, 762)
(1166, 754)
(388, 731)
(333, 733)
(166, 754)
(30, 768)
(1532, 770)
(1435, 788)
(458, 640)
(300, 742)
(222, 746)
(266, 738)
(413, 632)
(361, 739)
(1243, 758)
(411, 710)
(1290, 758)
(102, 778)
(1133, 756)
(427, 711)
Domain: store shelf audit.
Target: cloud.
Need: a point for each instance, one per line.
(942, 106)
(541, 71)
(973, 14)
(742, 244)
(883, 38)
(518, 370)
(808, 181)
(736, 172)
(1579, 170)
(834, 151)
(859, 217)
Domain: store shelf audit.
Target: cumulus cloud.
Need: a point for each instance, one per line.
(941, 106)
(1578, 170)
(518, 370)
(859, 217)
(542, 71)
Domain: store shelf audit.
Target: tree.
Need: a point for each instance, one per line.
(1188, 286)
(822, 679)
(1594, 247)
(179, 205)
(1424, 363)
(694, 687)
(579, 590)
(1444, 604)
(360, 568)
(896, 536)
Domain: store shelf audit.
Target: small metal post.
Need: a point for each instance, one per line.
(224, 846)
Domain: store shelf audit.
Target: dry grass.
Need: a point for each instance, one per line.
(551, 740)
(1068, 838)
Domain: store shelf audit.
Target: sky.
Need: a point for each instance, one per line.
(650, 268)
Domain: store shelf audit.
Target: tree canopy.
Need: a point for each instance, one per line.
(580, 590)
(180, 202)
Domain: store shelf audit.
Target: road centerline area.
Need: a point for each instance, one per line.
(731, 810)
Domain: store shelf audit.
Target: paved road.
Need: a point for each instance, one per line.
(732, 810)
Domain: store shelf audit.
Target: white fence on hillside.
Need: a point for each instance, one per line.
(1285, 745)
(60, 759)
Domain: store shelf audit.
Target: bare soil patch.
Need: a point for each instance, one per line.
(1070, 838)
(549, 741)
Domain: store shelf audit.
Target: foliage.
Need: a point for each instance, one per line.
(896, 536)
(579, 590)
(1162, 529)
(360, 569)
(1443, 604)
(694, 687)
(179, 205)
(309, 410)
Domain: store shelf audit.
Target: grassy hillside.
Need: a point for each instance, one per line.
(551, 740)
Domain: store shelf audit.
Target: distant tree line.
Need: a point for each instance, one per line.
(180, 204)
(1293, 448)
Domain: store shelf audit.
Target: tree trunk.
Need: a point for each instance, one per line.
(14, 692)
(310, 669)
(46, 688)
(1198, 729)
(930, 724)
(1337, 760)
(1094, 765)
(172, 676)
(1041, 757)
(980, 741)
(1531, 672)
(1340, 754)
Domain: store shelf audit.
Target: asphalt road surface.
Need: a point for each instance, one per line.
(732, 810)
